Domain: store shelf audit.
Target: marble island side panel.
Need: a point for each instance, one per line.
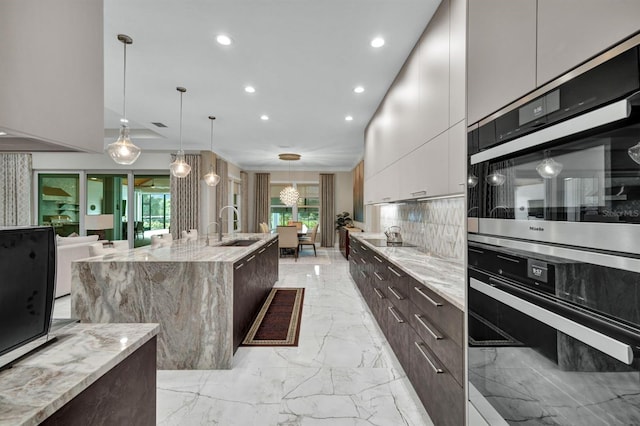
(187, 288)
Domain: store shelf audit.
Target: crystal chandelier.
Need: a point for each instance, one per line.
(123, 151)
(634, 152)
(211, 178)
(179, 168)
(289, 195)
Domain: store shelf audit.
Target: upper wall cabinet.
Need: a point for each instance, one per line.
(51, 71)
(501, 54)
(457, 61)
(433, 58)
(572, 31)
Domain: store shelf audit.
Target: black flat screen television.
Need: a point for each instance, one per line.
(27, 288)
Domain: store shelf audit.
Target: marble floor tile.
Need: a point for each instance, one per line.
(341, 373)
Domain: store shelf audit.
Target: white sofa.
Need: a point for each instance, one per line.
(69, 249)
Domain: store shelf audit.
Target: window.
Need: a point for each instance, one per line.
(306, 211)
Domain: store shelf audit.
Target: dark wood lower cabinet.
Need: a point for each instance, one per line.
(424, 331)
(253, 277)
(441, 395)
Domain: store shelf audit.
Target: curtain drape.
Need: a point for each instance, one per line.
(262, 204)
(185, 197)
(15, 189)
(222, 192)
(244, 205)
(327, 209)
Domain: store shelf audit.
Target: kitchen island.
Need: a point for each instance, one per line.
(203, 296)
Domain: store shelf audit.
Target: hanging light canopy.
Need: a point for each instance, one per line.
(211, 178)
(179, 168)
(548, 168)
(289, 195)
(123, 151)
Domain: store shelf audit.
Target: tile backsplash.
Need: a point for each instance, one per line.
(435, 226)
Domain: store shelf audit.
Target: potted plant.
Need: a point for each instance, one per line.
(343, 219)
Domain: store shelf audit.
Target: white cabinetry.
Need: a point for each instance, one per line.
(502, 54)
(572, 31)
(457, 157)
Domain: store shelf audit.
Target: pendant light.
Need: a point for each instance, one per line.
(179, 168)
(548, 168)
(123, 151)
(211, 178)
(634, 153)
(472, 180)
(289, 195)
(496, 178)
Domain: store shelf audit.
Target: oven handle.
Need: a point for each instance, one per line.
(612, 347)
(596, 118)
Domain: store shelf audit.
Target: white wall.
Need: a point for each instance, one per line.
(148, 162)
(51, 68)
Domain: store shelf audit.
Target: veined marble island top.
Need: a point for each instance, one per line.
(190, 251)
(188, 288)
(444, 276)
(38, 385)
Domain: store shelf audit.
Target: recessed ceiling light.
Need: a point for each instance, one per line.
(358, 89)
(377, 42)
(124, 120)
(250, 89)
(224, 40)
(348, 118)
(3, 133)
(264, 117)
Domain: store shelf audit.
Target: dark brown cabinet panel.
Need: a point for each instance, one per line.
(441, 395)
(442, 314)
(253, 277)
(424, 331)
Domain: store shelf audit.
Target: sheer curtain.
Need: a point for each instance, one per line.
(263, 202)
(222, 192)
(15, 189)
(327, 209)
(185, 198)
(244, 205)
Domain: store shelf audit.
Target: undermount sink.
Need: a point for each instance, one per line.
(239, 243)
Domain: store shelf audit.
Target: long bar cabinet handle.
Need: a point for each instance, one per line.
(431, 363)
(424, 324)
(430, 300)
(393, 291)
(395, 315)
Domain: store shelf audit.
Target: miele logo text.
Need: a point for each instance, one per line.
(536, 228)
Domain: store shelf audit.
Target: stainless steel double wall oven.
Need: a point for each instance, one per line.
(554, 250)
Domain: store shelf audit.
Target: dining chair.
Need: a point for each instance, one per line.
(298, 225)
(310, 240)
(288, 239)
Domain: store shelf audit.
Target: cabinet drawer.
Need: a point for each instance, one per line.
(448, 351)
(442, 314)
(441, 395)
(397, 331)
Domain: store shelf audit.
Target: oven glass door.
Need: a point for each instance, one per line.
(587, 178)
(532, 366)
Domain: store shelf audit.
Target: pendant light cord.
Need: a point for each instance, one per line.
(124, 87)
(212, 133)
(181, 120)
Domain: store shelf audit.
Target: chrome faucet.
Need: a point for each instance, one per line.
(220, 219)
(212, 223)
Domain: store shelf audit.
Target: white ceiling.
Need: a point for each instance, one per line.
(304, 57)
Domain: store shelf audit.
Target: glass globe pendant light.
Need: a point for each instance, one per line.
(496, 178)
(289, 195)
(548, 168)
(211, 178)
(634, 152)
(123, 151)
(179, 168)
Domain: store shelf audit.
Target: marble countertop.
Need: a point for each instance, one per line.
(444, 276)
(41, 383)
(190, 251)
